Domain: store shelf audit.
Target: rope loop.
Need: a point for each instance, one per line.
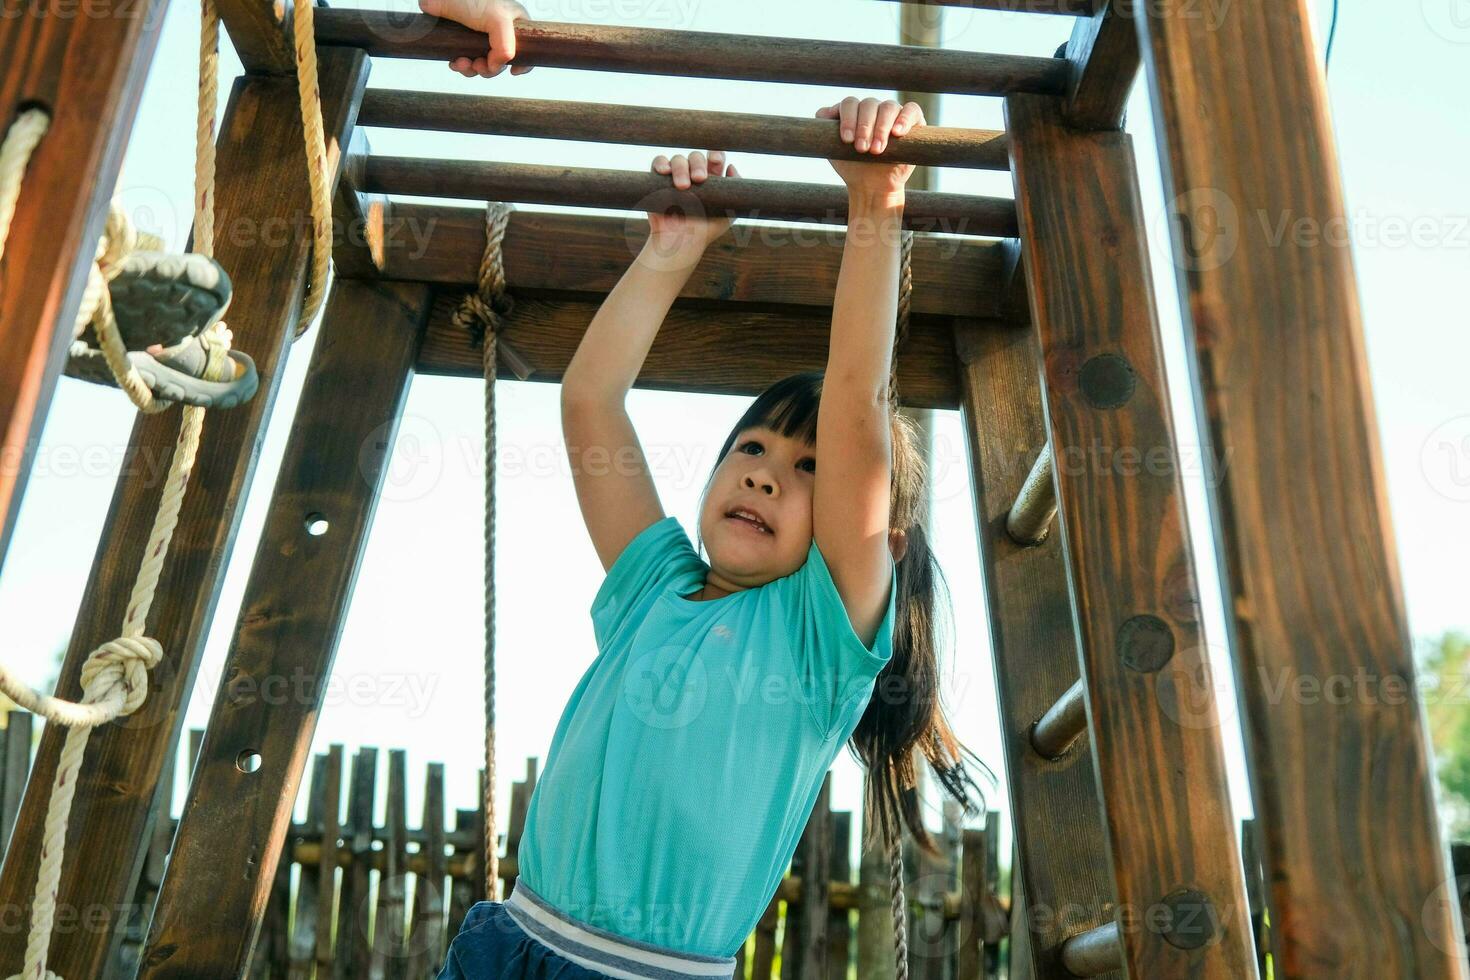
(488, 309)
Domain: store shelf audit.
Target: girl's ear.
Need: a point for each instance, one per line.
(898, 543)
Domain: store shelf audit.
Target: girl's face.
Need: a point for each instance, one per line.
(772, 476)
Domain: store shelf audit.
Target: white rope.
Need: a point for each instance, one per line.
(114, 677)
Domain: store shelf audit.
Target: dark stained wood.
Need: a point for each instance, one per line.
(1121, 510)
(16, 759)
(63, 196)
(839, 930)
(1061, 850)
(1103, 53)
(349, 961)
(426, 940)
(262, 178)
(260, 33)
(971, 930)
(291, 621)
(696, 349)
(1344, 786)
(699, 54)
(805, 946)
(572, 256)
(937, 146)
(631, 190)
(1074, 8)
(390, 938)
(308, 921)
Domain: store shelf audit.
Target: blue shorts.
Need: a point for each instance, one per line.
(525, 938)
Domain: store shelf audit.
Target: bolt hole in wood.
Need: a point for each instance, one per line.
(248, 761)
(316, 524)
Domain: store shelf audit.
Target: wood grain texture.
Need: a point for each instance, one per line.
(1073, 8)
(1061, 850)
(1103, 53)
(634, 190)
(234, 823)
(722, 351)
(562, 119)
(699, 54)
(580, 256)
(261, 199)
(260, 33)
(1121, 513)
(1344, 786)
(63, 195)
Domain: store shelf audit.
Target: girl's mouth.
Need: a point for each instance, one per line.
(750, 525)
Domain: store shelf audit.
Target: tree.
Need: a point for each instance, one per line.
(1444, 674)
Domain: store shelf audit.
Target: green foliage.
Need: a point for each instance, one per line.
(1444, 679)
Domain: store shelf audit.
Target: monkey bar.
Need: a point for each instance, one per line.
(1047, 342)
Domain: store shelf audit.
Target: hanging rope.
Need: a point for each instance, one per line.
(114, 677)
(899, 908)
(905, 301)
(483, 314)
(304, 34)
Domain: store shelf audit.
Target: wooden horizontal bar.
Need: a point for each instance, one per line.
(582, 256)
(958, 214)
(1073, 8)
(697, 350)
(1036, 504)
(701, 54)
(934, 146)
(1063, 722)
(1094, 952)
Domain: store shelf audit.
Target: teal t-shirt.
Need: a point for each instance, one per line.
(689, 757)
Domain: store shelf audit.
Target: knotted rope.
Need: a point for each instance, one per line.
(484, 314)
(899, 908)
(114, 677)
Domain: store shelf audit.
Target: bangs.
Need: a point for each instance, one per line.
(788, 407)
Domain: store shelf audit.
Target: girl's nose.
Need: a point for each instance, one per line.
(762, 481)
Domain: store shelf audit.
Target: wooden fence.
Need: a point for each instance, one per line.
(382, 901)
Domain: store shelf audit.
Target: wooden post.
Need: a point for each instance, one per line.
(262, 199)
(1060, 845)
(63, 195)
(1155, 733)
(1357, 874)
(234, 822)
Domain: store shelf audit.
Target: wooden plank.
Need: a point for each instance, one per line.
(17, 763)
(262, 185)
(1072, 8)
(805, 945)
(764, 958)
(875, 959)
(638, 190)
(1344, 786)
(260, 33)
(968, 960)
(696, 349)
(1061, 849)
(605, 122)
(333, 468)
(839, 929)
(1121, 511)
(389, 935)
(349, 962)
(1103, 53)
(571, 256)
(63, 195)
(699, 54)
(426, 939)
(308, 905)
(326, 888)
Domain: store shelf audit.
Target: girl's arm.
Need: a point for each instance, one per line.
(609, 470)
(850, 505)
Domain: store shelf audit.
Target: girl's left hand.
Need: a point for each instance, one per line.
(869, 125)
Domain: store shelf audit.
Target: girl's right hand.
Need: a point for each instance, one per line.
(684, 172)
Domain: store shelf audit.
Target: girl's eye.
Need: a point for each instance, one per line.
(809, 463)
(747, 445)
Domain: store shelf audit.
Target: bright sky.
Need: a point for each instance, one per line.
(408, 671)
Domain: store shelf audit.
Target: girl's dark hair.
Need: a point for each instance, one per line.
(905, 712)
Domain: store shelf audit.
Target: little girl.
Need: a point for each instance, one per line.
(683, 770)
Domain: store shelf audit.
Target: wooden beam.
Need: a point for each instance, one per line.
(697, 349)
(582, 256)
(260, 31)
(1155, 732)
(63, 195)
(937, 146)
(1072, 8)
(629, 190)
(1061, 850)
(261, 201)
(1103, 54)
(700, 54)
(1344, 785)
(234, 823)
